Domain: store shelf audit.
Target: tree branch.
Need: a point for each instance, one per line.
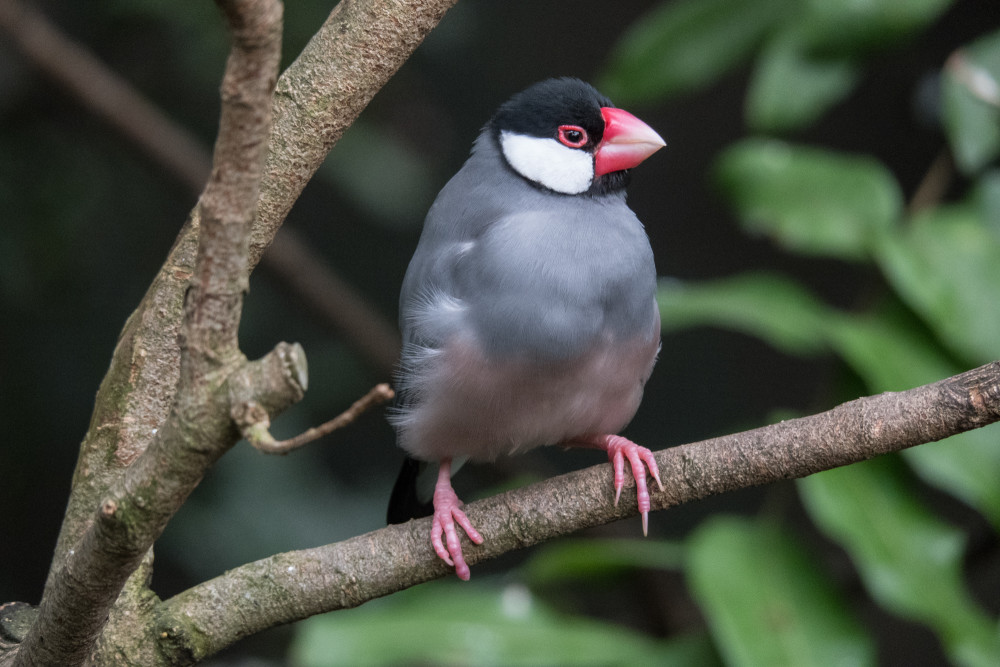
(298, 584)
(173, 148)
(254, 421)
(355, 60)
(361, 45)
(124, 464)
(78, 597)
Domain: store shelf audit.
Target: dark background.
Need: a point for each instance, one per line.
(87, 219)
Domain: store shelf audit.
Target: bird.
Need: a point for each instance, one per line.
(528, 311)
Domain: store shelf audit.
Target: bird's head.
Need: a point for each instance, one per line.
(563, 135)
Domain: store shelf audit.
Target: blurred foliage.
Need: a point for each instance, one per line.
(809, 200)
(488, 624)
(765, 595)
(971, 99)
(909, 560)
(765, 600)
(938, 315)
(808, 54)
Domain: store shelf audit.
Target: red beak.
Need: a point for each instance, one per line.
(627, 141)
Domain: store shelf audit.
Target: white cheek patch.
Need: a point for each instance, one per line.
(549, 163)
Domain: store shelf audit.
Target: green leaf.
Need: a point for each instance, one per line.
(589, 559)
(765, 600)
(791, 88)
(681, 46)
(971, 102)
(889, 349)
(809, 200)
(852, 27)
(946, 266)
(450, 623)
(986, 197)
(890, 352)
(967, 466)
(771, 307)
(910, 562)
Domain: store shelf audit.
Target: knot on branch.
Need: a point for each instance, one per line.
(249, 414)
(275, 381)
(978, 391)
(109, 508)
(16, 618)
(267, 386)
(253, 23)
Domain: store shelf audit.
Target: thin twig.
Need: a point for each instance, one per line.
(254, 425)
(934, 185)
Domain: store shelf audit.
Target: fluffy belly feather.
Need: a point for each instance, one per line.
(468, 405)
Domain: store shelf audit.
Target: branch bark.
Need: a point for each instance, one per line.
(254, 421)
(352, 55)
(361, 45)
(125, 464)
(294, 585)
(79, 595)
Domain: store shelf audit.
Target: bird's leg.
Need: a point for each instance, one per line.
(639, 458)
(447, 511)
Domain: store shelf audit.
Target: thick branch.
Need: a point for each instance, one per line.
(298, 584)
(359, 47)
(78, 596)
(363, 49)
(352, 56)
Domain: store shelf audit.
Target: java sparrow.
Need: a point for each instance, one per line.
(527, 312)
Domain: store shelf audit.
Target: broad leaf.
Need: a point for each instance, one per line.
(889, 349)
(910, 561)
(791, 88)
(987, 199)
(771, 307)
(809, 200)
(680, 46)
(946, 266)
(853, 28)
(965, 465)
(971, 101)
(588, 559)
(766, 602)
(477, 624)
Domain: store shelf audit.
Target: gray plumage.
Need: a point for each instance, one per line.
(528, 311)
(528, 316)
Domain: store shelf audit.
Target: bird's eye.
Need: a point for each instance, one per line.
(573, 136)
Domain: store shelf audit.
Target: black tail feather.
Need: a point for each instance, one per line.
(405, 502)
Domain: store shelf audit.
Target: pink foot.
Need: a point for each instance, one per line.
(639, 458)
(447, 511)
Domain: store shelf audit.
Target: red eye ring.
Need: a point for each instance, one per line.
(573, 136)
